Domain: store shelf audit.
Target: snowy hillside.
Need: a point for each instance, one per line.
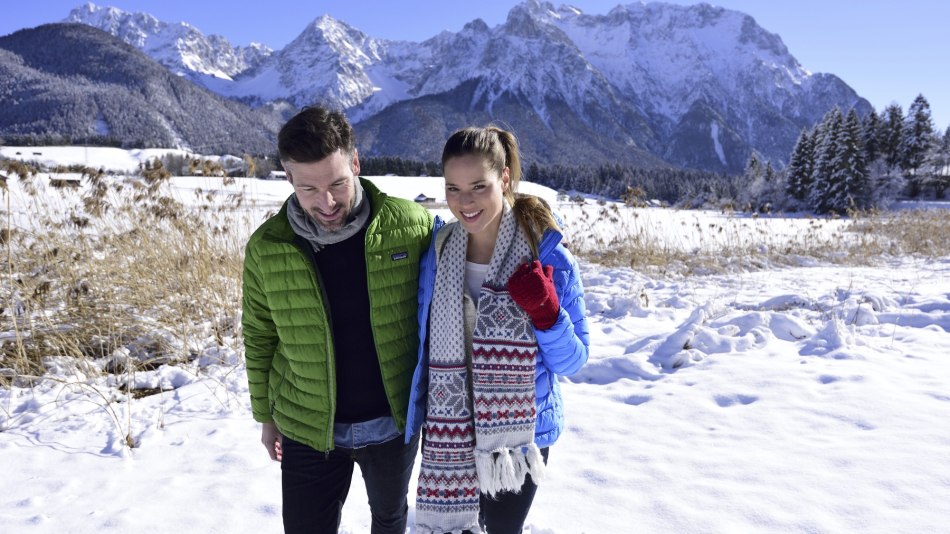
(809, 398)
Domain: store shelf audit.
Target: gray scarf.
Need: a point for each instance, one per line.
(304, 225)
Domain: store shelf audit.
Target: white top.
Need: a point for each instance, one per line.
(474, 277)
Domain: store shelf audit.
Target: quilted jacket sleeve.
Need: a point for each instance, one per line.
(260, 336)
(565, 346)
(418, 395)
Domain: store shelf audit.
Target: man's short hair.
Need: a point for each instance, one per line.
(313, 134)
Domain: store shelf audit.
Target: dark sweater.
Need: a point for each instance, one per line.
(360, 395)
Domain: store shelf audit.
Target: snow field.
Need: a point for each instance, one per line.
(808, 398)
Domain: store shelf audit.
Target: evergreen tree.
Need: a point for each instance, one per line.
(870, 137)
(823, 190)
(851, 181)
(534, 172)
(938, 166)
(769, 173)
(916, 141)
(752, 178)
(891, 132)
(769, 194)
(886, 183)
(798, 177)
(752, 168)
(762, 189)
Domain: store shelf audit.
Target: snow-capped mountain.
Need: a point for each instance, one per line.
(525, 73)
(689, 67)
(328, 62)
(697, 86)
(180, 47)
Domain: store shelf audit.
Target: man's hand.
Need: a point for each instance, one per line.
(270, 437)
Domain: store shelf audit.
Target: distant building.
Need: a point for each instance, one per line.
(423, 198)
(277, 175)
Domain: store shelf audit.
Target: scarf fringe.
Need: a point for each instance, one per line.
(536, 465)
(506, 469)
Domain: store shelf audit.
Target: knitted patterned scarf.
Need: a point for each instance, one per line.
(480, 438)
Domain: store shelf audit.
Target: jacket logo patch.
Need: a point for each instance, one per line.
(400, 256)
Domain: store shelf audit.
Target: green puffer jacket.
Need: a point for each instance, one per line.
(287, 335)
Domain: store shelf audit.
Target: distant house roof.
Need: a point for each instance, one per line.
(421, 197)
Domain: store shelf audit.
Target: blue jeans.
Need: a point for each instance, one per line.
(315, 484)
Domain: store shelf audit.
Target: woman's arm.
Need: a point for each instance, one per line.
(564, 347)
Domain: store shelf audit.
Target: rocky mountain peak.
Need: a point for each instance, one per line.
(699, 85)
(179, 46)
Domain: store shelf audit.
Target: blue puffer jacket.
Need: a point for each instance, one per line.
(563, 348)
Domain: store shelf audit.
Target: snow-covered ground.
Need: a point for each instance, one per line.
(110, 159)
(805, 399)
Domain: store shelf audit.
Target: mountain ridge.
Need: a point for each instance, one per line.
(660, 84)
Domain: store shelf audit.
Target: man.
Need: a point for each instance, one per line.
(330, 330)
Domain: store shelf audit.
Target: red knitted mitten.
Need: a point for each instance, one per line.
(533, 289)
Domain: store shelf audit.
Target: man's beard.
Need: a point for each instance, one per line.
(314, 216)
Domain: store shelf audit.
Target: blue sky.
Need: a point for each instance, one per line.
(887, 51)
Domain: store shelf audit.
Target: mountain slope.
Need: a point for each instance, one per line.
(418, 128)
(528, 77)
(76, 81)
(698, 70)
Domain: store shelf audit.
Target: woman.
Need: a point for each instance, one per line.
(501, 315)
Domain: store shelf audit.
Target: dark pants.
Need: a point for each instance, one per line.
(315, 485)
(506, 513)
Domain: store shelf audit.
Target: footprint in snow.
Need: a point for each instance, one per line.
(726, 401)
(637, 400)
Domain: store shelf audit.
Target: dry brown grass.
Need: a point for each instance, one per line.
(125, 279)
(920, 232)
(739, 244)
